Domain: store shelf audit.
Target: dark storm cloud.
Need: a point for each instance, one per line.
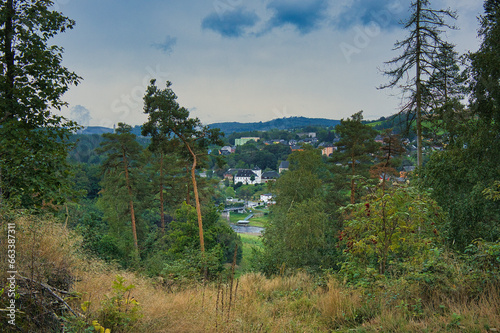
(230, 23)
(305, 16)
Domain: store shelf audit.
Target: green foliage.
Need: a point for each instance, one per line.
(121, 311)
(87, 219)
(459, 176)
(33, 141)
(86, 179)
(299, 233)
(85, 147)
(256, 154)
(167, 120)
(463, 174)
(485, 83)
(179, 246)
(124, 187)
(33, 166)
(388, 232)
(118, 313)
(356, 147)
(484, 258)
(229, 192)
(493, 193)
(193, 266)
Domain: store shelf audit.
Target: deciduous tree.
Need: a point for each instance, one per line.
(33, 141)
(390, 227)
(300, 233)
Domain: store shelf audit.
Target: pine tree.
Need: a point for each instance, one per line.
(120, 167)
(419, 50)
(166, 119)
(485, 67)
(356, 144)
(468, 167)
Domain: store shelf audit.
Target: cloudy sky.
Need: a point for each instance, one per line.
(240, 60)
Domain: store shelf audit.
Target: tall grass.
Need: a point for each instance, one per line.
(298, 303)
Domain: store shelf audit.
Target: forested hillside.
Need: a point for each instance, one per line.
(386, 226)
(280, 124)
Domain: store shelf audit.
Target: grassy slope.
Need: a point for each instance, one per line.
(297, 303)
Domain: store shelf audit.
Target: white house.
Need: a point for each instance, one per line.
(247, 176)
(266, 198)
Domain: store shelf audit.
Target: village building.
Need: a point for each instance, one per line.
(267, 198)
(248, 177)
(283, 166)
(269, 176)
(242, 141)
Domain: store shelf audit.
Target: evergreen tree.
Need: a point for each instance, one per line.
(166, 119)
(447, 81)
(444, 93)
(121, 174)
(461, 175)
(418, 53)
(356, 144)
(485, 68)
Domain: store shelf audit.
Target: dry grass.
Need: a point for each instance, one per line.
(49, 252)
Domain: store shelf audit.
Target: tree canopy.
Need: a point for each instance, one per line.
(33, 140)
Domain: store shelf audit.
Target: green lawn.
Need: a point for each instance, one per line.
(260, 221)
(249, 242)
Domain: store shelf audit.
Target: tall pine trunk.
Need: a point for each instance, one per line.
(196, 195)
(198, 206)
(131, 202)
(9, 60)
(418, 95)
(162, 208)
(353, 184)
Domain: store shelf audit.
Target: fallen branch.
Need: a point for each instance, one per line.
(51, 291)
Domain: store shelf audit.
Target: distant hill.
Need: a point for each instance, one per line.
(280, 123)
(101, 130)
(95, 130)
(232, 127)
